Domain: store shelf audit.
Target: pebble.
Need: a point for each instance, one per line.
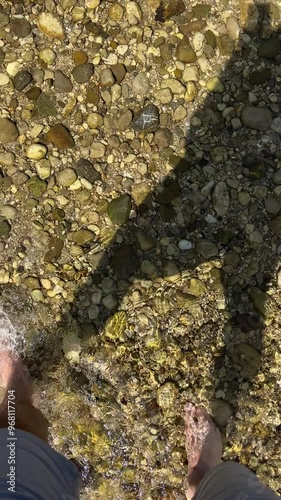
(146, 119)
(47, 55)
(4, 20)
(7, 159)
(8, 131)
(20, 27)
(13, 68)
(277, 176)
(191, 73)
(244, 198)
(92, 4)
(36, 186)
(66, 177)
(107, 78)
(51, 25)
(133, 12)
(60, 136)
(272, 205)
(174, 85)
(256, 118)
(4, 79)
(141, 84)
(270, 48)
(62, 83)
(221, 199)
(43, 169)
(116, 12)
(83, 72)
(85, 169)
(9, 211)
(185, 245)
(119, 209)
(94, 120)
(207, 249)
(97, 150)
(22, 79)
(5, 228)
(214, 84)
(36, 151)
(165, 96)
(233, 27)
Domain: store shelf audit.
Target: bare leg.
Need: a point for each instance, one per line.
(203, 445)
(14, 376)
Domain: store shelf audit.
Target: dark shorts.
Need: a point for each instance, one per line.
(40, 473)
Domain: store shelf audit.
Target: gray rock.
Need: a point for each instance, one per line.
(277, 176)
(107, 78)
(207, 249)
(220, 198)
(275, 225)
(221, 412)
(272, 205)
(276, 125)
(141, 84)
(84, 168)
(45, 106)
(62, 83)
(20, 27)
(8, 131)
(256, 118)
(119, 209)
(22, 79)
(270, 48)
(146, 119)
(83, 72)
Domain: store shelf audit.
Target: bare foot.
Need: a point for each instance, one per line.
(203, 445)
(14, 375)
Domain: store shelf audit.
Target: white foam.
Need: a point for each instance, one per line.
(9, 337)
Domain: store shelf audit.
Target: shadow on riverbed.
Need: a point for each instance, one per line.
(219, 196)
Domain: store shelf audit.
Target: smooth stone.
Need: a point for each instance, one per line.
(147, 119)
(47, 55)
(185, 245)
(163, 138)
(276, 125)
(92, 95)
(43, 169)
(233, 27)
(33, 93)
(8, 131)
(94, 120)
(4, 79)
(116, 12)
(207, 249)
(62, 83)
(171, 272)
(220, 198)
(256, 118)
(5, 228)
(97, 150)
(85, 169)
(9, 211)
(277, 176)
(66, 177)
(22, 79)
(107, 78)
(201, 10)
(141, 84)
(145, 241)
(7, 159)
(36, 151)
(214, 84)
(272, 205)
(55, 247)
(275, 225)
(119, 72)
(51, 25)
(190, 74)
(20, 27)
(125, 261)
(83, 72)
(36, 186)
(4, 20)
(82, 236)
(79, 57)
(175, 85)
(270, 48)
(141, 193)
(60, 136)
(119, 209)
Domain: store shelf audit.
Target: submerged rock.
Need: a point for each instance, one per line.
(147, 119)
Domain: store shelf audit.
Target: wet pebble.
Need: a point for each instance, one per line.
(62, 83)
(8, 131)
(83, 72)
(60, 136)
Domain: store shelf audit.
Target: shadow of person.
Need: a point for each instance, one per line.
(189, 278)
